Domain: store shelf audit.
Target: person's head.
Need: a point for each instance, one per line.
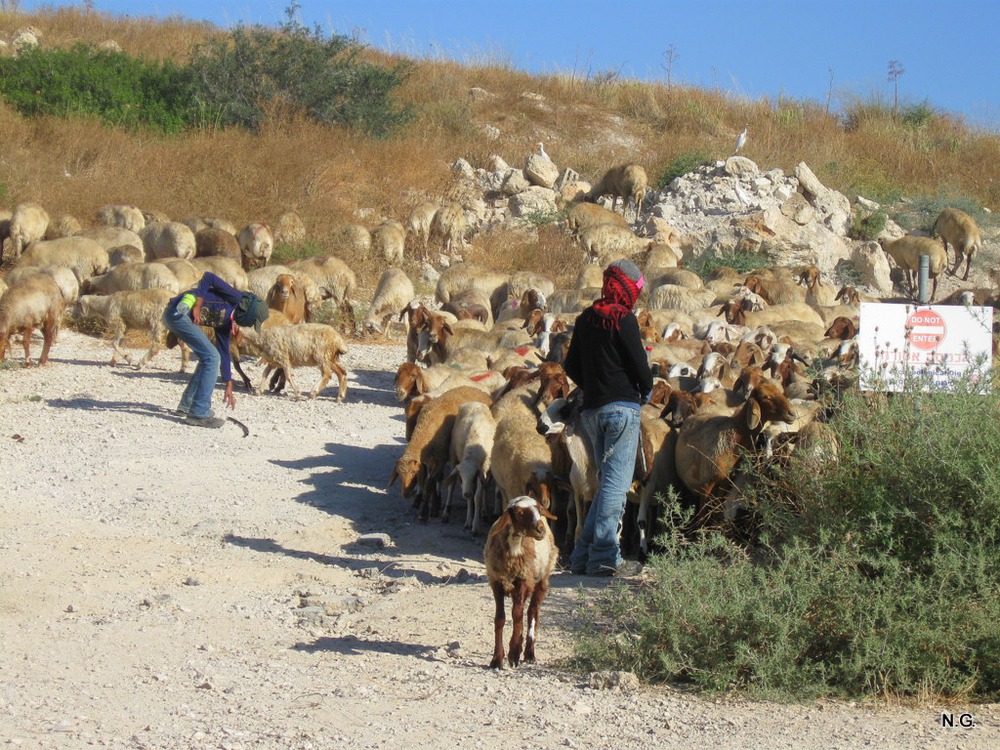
(252, 311)
(622, 283)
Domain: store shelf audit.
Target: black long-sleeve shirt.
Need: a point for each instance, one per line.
(609, 366)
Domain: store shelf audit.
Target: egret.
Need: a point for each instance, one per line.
(541, 150)
(741, 140)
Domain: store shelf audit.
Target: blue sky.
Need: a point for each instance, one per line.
(754, 48)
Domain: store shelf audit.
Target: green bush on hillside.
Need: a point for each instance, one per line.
(238, 77)
(875, 574)
(870, 227)
(118, 89)
(680, 166)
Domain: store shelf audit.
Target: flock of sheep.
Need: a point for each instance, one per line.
(491, 417)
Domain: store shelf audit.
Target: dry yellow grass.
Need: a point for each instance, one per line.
(332, 176)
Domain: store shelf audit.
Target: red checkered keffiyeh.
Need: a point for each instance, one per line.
(618, 296)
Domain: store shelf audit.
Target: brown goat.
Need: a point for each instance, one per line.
(520, 556)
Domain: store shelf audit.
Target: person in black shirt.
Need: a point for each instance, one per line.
(607, 360)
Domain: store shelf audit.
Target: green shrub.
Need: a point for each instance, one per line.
(118, 89)
(255, 67)
(681, 166)
(874, 574)
(743, 262)
(870, 227)
(917, 115)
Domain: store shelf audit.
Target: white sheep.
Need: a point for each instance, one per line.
(352, 240)
(419, 223)
(461, 276)
(169, 239)
(130, 277)
(628, 182)
(83, 256)
(676, 297)
(126, 217)
(187, 275)
(958, 229)
(227, 269)
(112, 237)
(289, 228)
(388, 239)
(906, 251)
(28, 223)
(256, 244)
(583, 215)
(393, 293)
(449, 226)
(34, 302)
(64, 278)
(605, 243)
(470, 449)
(64, 225)
(133, 310)
(286, 347)
(197, 223)
(334, 279)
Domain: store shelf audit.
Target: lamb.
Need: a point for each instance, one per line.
(211, 242)
(776, 289)
(426, 452)
(83, 256)
(333, 277)
(420, 221)
(906, 252)
(256, 244)
(388, 239)
(285, 347)
(605, 243)
(34, 302)
(64, 278)
(958, 229)
(260, 281)
(289, 299)
(471, 444)
(135, 310)
(628, 182)
(126, 217)
(520, 557)
(169, 239)
(583, 215)
(818, 294)
(449, 226)
(393, 292)
(28, 223)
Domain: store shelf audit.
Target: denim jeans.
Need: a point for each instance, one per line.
(614, 434)
(197, 398)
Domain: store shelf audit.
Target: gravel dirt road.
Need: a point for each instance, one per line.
(167, 586)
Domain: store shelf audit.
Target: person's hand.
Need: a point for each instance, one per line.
(196, 313)
(229, 399)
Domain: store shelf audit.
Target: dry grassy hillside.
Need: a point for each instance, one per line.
(332, 176)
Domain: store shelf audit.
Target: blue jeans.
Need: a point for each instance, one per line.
(614, 434)
(197, 398)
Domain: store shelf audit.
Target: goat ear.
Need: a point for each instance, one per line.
(447, 329)
(753, 415)
(393, 477)
(546, 514)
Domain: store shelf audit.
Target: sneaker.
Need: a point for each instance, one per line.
(625, 569)
(183, 412)
(209, 421)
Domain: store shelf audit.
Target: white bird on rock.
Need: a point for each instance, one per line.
(541, 150)
(741, 140)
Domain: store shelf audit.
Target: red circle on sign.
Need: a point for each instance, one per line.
(926, 329)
